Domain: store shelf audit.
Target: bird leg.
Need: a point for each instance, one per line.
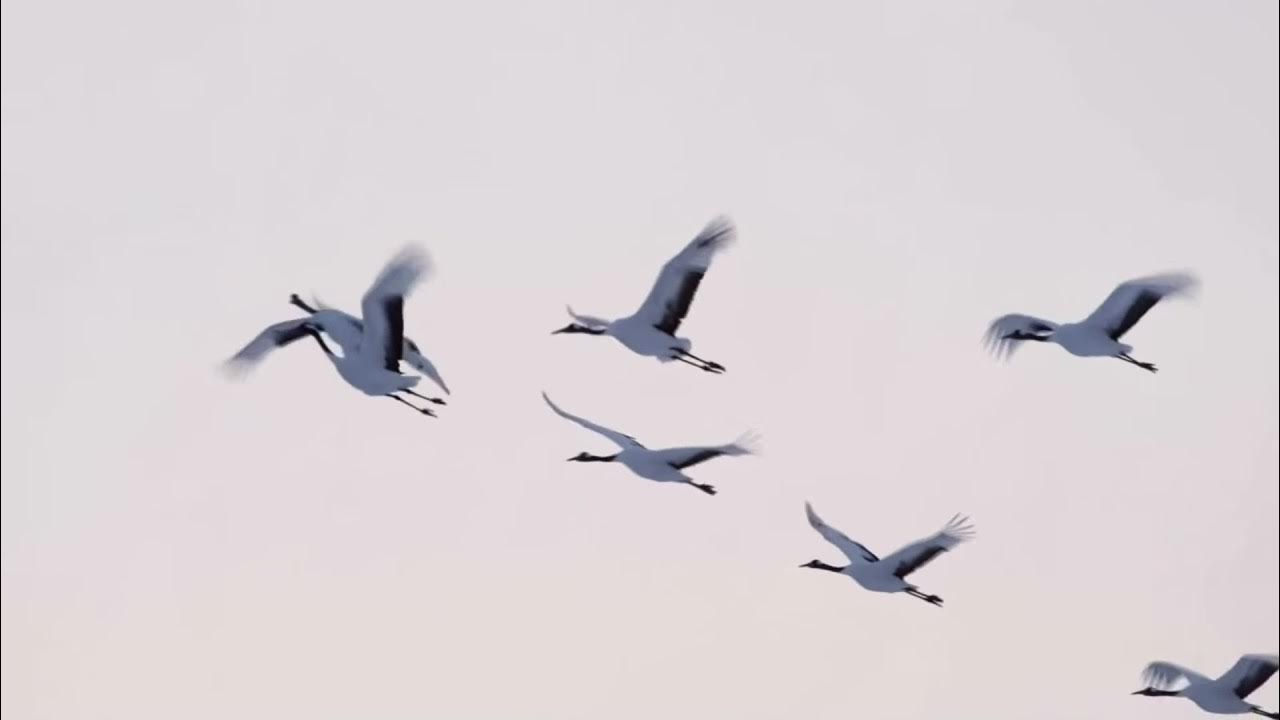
(1259, 711)
(700, 365)
(437, 401)
(931, 599)
(1144, 365)
(424, 411)
(708, 489)
(713, 366)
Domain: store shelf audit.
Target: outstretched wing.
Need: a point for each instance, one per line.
(856, 552)
(1249, 673)
(1165, 675)
(273, 337)
(681, 458)
(622, 440)
(920, 553)
(669, 300)
(1126, 305)
(1008, 332)
(382, 340)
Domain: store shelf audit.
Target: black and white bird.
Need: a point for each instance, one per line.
(371, 365)
(346, 330)
(889, 575)
(651, 331)
(1099, 334)
(662, 465)
(1222, 696)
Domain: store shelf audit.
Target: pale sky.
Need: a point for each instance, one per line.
(179, 546)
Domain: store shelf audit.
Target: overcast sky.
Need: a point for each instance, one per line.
(176, 545)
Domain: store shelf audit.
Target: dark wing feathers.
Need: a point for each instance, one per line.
(1259, 672)
(696, 458)
(394, 348)
(911, 564)
(286, 335)
(1139, 307)
(677, 307)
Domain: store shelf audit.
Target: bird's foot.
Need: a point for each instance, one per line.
(427, 411)
(437, 401)
(715, 366)
(933, 600)
(708, 489)
(1150, 367)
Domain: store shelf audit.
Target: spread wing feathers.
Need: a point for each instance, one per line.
(275, 336)
(1249, 673)
(681, 458)
(669, 300)
(856, 552)
(590, 321)
(920, 553)
(382, 307)
(1126, 305)
(622, 440)
(1007, 332)
(1166, 675)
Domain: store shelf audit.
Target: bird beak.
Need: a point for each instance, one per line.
(575, 457)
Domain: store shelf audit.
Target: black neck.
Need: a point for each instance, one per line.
(823, 566)
(1159, 693)
(300, 303)
(596, 458)
(323, 346)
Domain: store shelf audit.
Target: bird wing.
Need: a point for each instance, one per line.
(683, 457)
(919, 553)
(1002, 335)
(669, 300)
(1126, 305)
(1165, 675)
(278, 335)
(622, 440)
(1249, 673)
(382, 342)
(856, 552)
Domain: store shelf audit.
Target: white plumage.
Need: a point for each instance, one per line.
(1224, 695)
(888, 575)
(664, 465)
(651, 330)
(1099, 334)
(371, 362)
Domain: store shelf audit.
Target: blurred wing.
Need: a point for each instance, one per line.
(920, 553)
(1126, 305)
(273, 337)
(622, 440)
(856, 552)
(681, 458)
(669, 300)
(382, 308)
(1165, 675)
(1008, 332)
(1249, 673)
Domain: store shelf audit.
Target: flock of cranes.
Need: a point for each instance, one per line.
(372, 348)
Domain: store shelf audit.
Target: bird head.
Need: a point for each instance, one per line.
(1152, 692)
(576, 328)
(819, 565)
(588, 457)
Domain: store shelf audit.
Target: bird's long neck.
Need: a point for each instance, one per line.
(597, 458)
(300, 303)
(823, 566)
(323, 345)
